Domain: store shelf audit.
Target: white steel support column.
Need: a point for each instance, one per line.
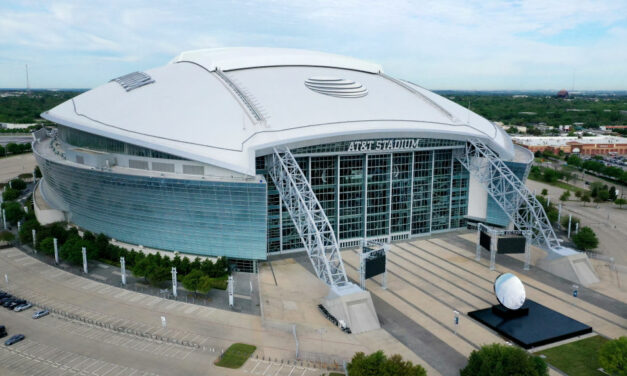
(309, 218)
(337, 199)
(511, 194)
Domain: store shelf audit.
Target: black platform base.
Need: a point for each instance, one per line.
(540, 326)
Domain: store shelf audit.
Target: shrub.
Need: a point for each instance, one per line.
(6, 236)
(545, 192)
(586, 239)
(377, 364)
(497, 360)
(565, 196)
(613, 356)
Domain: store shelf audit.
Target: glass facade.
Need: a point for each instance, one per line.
(86, 140)
(368, 192)
(192, 216)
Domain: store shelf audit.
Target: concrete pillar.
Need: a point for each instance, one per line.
(559, 213)
(34, 233)
(570, 219)
(577, 228)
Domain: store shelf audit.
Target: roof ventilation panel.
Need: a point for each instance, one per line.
(336, 87)
(133, 80)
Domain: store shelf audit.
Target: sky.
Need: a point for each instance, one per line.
(443, 44)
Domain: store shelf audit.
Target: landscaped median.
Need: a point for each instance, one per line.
(236, 355)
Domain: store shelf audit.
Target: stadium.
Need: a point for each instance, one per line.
(248, 152)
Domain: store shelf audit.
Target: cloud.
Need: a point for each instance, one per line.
(441, 44)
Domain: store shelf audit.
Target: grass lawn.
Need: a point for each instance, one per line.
(236, 355)
(576, 358)
(336, 374)
(559, 184)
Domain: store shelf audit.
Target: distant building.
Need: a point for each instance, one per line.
(562, 94)
(16, 125)
(597, 145)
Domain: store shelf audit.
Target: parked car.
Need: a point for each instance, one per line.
(16, 303)
(8, 302)
(22, 307)
(15, 339)
(3, 331)
(40, 313)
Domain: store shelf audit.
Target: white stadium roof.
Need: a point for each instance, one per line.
(225, 106)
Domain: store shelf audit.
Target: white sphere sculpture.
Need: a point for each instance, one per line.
(509, 291)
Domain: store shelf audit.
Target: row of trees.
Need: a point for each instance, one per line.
(598, 167)
(13, 149)
(195, 275)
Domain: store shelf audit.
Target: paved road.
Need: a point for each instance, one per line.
(16, 139)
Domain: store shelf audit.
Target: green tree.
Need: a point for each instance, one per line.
(585, 198)
(18, 184)
(13, 211)
(3, 151)
(46, 246)
(586, 239)
(613, 193)
(613, 356)
(13, 148)
(544, 192)
(10, 194)
(574, 160)
(565, 196)
(191, 281)
(498, 360)
(603, 195)
(204, 284)
(141, 267)
(550, 175)
(37, 172)
(620, 202)
(72, 250)
(156, 274)
(578, 194)
(573, 223)
(377, 364)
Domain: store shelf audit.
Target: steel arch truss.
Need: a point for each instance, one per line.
(509, 192)
(309, 218)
